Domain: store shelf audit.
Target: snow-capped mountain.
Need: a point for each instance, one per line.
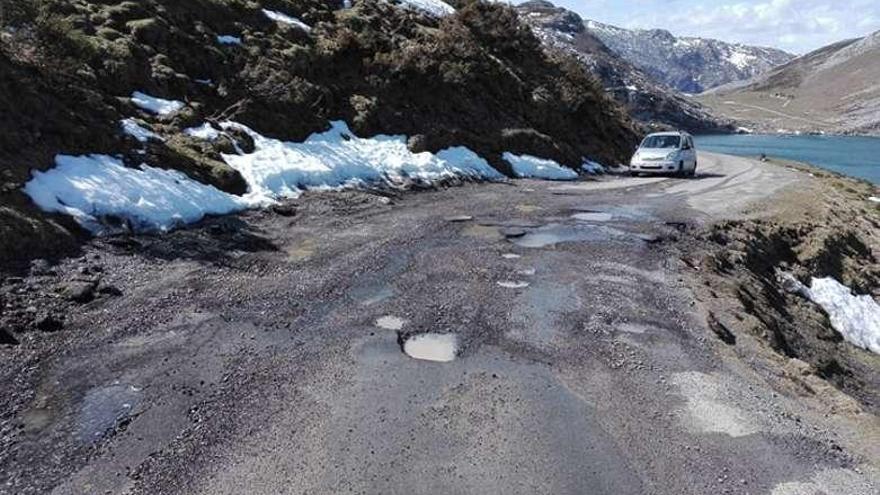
(831, 90)
(690, 65)
(647, 100)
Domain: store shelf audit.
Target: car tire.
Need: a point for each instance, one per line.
(694, 170)
(634, 174)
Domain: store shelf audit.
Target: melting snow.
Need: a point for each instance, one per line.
(857, 318)
(133, 129)
(204, 131)
(529, 166)
(92, 188)
(337, 158)
(434, 7)
(155, 105)
(286, 19)
(592, 168)
(228, 40)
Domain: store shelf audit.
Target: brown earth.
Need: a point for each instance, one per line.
(478, 78)
(826, 229)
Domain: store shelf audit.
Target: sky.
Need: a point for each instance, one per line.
(797, 26)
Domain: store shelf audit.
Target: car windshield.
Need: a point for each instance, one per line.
(661, 142)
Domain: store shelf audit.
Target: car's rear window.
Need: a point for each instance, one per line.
(655, 142)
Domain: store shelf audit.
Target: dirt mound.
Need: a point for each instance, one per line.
(478, 78)
(836, 235)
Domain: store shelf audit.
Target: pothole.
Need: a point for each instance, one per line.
(637, 328)
(553, 234)
(511, 256)
(369, 298)
(437, 347)
(510, 284)
(459, 218)
(105, 406)
(528, 272)
(389, 322)
(593, 216)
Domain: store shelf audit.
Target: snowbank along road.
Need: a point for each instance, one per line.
(530, 337)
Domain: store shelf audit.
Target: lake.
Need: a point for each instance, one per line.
(853, 156)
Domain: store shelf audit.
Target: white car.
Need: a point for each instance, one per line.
(665, 153)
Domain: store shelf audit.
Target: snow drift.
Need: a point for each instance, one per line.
(525, 166)
(857, 318)
(104, 195)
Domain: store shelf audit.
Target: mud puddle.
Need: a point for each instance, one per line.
(104, 407)
(553, 234)
(593, 217)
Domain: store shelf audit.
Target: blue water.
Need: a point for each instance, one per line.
(853, 156)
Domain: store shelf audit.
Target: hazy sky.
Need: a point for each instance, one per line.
(795, 25)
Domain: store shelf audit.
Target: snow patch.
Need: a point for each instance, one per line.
(204, 132)
(435, 8)
(135, 130)
(96, 188)
(874, 199)
(337, 158)
(525, 166)
(286, 19)
(155, 105)
(227, 39)
(592, 168)
(105, 196)
(741, 60)
(857, 318)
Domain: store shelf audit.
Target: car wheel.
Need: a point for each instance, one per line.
(681, 171)
(634, 174)
(694, 170)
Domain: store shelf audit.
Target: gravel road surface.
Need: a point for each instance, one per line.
(558, 349)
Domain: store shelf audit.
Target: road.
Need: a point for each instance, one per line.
(262, 353)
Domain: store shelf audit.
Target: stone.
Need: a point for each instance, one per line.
(78, 291)
(48, 323)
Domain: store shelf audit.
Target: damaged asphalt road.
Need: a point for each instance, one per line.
(263, 353)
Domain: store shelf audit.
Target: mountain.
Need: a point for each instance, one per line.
(690, 65)
(649, 102)
(183, 86)
(833, 89)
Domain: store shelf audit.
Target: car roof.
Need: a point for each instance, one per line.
(668, 133)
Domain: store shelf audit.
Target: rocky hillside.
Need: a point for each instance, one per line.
(833, 89)
(77, 77)
(690, 65)
(648, 101)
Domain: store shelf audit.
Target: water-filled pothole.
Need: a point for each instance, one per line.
(389, 322)
(557, 233)
(103, 407)
(459, 218)
(510, 284)
(437, 347)
(511, 256)
(593, 216)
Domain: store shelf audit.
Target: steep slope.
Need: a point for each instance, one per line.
(285, 69)
(834, 89)
(690, 65)
(647, 101)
